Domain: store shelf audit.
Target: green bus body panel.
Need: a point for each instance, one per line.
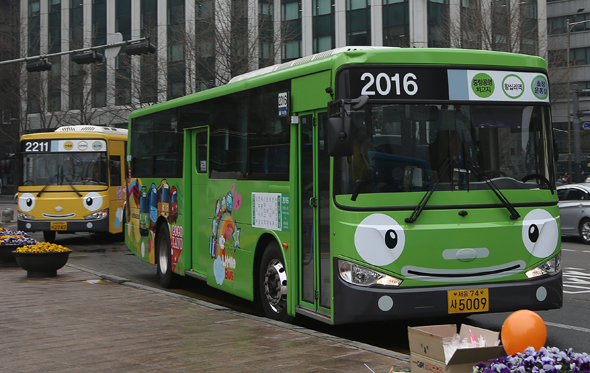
(309, 92)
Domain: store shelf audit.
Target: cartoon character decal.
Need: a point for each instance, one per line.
(173, 205)
(380, 240)
(119, 213)
(145, 204)
(225, 236)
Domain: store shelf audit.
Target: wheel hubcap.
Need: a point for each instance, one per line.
(275, 285)
(162, 258)
(586, 231)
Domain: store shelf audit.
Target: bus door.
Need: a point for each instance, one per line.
(314, 181)
(198, 222)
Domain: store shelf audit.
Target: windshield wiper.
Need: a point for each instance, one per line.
(418, 210)
(42, 190)
(75, 190)
(513, 213)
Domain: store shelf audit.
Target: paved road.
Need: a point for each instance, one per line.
(568, 327)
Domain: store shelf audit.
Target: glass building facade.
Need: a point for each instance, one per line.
(203, 43)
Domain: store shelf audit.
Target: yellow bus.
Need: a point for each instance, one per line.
(72, 181)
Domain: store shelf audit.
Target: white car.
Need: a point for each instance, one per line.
(574, 210)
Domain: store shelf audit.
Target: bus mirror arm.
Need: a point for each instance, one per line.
(359, 103)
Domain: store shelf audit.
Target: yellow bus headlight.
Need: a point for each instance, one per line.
(98, 215)
(362, 276)
(23, 216)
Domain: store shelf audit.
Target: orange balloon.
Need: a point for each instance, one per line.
(523, 329)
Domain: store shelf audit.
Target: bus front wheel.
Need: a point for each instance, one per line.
(273, 284)
(168, 279)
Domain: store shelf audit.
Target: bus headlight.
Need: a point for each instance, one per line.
(362, 276)
(98, 215)
(550, 267)
(22, 216)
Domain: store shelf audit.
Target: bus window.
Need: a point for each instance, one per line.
(115, 168)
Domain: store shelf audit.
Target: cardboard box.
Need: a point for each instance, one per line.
(428, 355)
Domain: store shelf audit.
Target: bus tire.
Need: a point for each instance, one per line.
(49, 236)
(273, 284)
(168, 279)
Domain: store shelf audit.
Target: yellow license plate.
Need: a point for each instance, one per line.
(468, 300)
(59, 226)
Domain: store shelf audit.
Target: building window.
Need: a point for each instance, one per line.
(149, 74)
(291, 29)
(396, 23)
(323, 25)
(123, 61)
(34, 28)
(558, 25)
(438, 34)
(54, 85)
(358, 22)
(99, 36)
(76, 24)
(266, 33)
(54, 26)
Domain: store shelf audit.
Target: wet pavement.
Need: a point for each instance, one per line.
(84, 320)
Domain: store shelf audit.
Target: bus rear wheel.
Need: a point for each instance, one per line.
(273, 284)
(49, 236)
(168, 279)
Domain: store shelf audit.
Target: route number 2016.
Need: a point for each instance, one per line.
(383, 84)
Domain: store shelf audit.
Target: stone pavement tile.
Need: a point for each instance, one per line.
(115, 328)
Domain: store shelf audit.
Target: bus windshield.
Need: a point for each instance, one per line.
(75, 168)
(408, 148)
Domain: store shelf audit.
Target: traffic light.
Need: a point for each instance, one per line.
(88, 57)
(39, 65)
(142, 47)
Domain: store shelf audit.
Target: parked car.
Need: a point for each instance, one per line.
(574, 210)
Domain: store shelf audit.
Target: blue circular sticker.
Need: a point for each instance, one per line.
(540, 87)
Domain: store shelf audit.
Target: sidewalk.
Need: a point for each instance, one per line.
(83, 321)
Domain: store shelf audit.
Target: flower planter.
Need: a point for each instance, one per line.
(6, 255)
(40, 265)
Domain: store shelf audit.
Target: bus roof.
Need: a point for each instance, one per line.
(335, 58)
(96, 129)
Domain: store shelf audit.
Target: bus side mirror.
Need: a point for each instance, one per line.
(340, 137)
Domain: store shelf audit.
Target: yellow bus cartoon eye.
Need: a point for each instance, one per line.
(92, 201)
(26, 202)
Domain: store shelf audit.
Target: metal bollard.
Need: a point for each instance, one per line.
(7, 215)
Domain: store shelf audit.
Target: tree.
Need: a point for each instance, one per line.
(200, 51)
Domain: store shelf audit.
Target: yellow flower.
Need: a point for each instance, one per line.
(42, 247)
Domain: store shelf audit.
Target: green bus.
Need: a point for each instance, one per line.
(359, 184)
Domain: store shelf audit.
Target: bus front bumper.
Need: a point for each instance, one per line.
(100, 225)
(361, 304)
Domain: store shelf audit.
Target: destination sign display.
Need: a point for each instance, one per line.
(63, 145)
(433, 83)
